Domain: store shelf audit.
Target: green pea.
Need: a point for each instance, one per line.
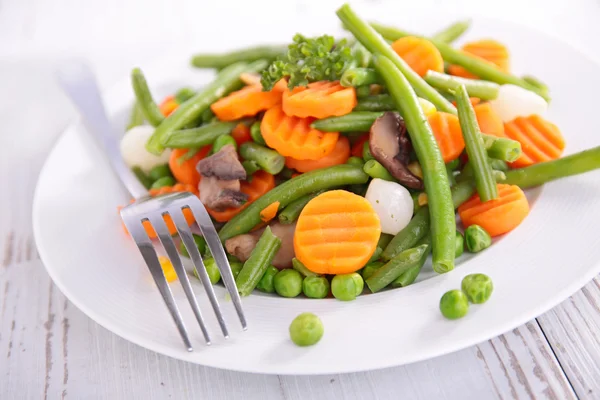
(369, 269)
(236, 267)
(315, 287)
(346, 287)
(477, 239)
(367, 152)
(160, 171)
(200, 244)
(256, 134)
(162, 182)
(266, 282)
(306, 329)
(223, 141)
(477, 287)
(357, 161)
(288, 283)
(211, 269)
(460, 245)
(454, 304)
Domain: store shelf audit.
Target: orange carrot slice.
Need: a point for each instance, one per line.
(420, 54)
(357, 147)
(496, 216)
(336, 233)
(488, 50)
(293, 136)
(168, 105)
(241, 134)
(540, 140)
(187, 213)
(269, 212)
(319, 100)
(489, 121)
(185, 171)
(339, 155)
(447, 132)
(473, 100)
(260, 184)
(245, 102)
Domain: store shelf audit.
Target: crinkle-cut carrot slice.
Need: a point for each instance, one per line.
(293, 136)
(260, 184)
(497, 216)
(319, 100)
(488, 50)
(448, 135)
(540, 140)
(336, 233)
(339, 155)
(489, 121)
(245, 102)
(420, 54)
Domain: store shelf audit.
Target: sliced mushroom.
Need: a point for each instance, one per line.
(224, 165)
(241, 246)
(390, 145)
(218, 194)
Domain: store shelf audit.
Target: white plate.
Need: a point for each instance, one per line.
(551, 255)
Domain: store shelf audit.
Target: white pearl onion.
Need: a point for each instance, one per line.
(514, 101)
(392, 203)
(133, 149)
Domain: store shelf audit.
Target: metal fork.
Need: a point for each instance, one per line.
(78, 82)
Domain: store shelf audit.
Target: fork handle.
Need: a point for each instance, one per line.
(78, 82)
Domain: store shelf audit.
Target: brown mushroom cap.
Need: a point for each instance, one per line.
(390, 145)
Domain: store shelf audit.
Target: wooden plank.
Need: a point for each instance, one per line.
(573, 330)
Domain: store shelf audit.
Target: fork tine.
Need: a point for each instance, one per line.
(141, 239)
(188, 240)
(216, 248)
(165, 238)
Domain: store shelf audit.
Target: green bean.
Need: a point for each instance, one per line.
(256, 134)
(258, 262)
(207, 116)
(184, 94)
(395, 267)
(222, 141)
(309, 182)
(160, 171)
(476, 66)
(376, 44)
(370, 269)
(384, 240)
(452, 165)
(409, 276)
(144, 98)
(292, 211)
(355, 77)
(362, 55)
(482, 172)
(266, 282)
(452, 32)
(251, 167)
(541, 173)
(374, 169)
(223, 60)
(286, 173)
(199, 137)
(462, 192)
(532, 80)
(378, 102)
(500, 148)
(356, 161)
(367, 156)
(200, 244)
(498, 165)
(226, 81)
(136, 116)
(476, 88)
(376, 255)
(408, 237)
(162, 182)
(268, 159)
(144, 179)
(236, 268)
(363, 91)
(298, 266)
(437, 186)
(360, 121)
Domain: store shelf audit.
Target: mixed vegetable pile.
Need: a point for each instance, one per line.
(333, 164)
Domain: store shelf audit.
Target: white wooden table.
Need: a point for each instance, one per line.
(49, 349)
